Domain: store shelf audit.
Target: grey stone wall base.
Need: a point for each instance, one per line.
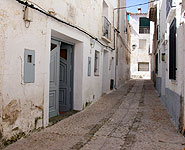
(172, 104)
(158, 85)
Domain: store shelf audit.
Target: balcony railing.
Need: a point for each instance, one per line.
(168, 6)
(106, 28)
(144, 30)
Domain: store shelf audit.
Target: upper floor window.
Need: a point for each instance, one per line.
(144, 25)
(142, 43)
(168, 6)
(96, 63)
(106, 28)
(105, 9)
(106, 23)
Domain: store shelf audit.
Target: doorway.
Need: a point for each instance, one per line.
(61, 78)
(105, 86)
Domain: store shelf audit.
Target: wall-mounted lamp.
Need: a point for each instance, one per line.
(92, 42)
(134, 47)
(28, 16)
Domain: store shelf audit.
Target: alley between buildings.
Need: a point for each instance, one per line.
(132, 117)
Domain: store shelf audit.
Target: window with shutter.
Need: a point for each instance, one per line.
(96, 63)
(144, 25)
(143, 66)
(172, 51)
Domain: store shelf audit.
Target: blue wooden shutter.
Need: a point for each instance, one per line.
(29, 66)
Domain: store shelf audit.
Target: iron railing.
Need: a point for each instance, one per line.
(106, 28)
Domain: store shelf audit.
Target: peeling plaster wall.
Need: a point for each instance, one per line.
(123, 48)
(139, 54)
(3, 28)
(25, 107)
(22, 104)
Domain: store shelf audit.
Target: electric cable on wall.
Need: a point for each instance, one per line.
(25, 3)
(41, 10)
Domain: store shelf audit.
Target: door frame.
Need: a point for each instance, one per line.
(54, 113)
(105, 81)
(71, 71)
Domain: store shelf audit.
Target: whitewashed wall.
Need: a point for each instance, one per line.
(172, 91)
(25, 107)
(137, 54)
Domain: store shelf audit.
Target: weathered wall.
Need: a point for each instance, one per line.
(158, 85)
(176, 85)
(22, 104)
(25, 107)
(172, 103)
(172, 91)
(123, 48)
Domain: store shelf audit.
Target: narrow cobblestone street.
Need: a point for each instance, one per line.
(130, 118)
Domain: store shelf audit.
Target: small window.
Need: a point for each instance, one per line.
(143, 66)
(29, 60)
(105, 9)
(106, 23)
(144, 25)
(63, 53)
(142, 43)
(96, 63)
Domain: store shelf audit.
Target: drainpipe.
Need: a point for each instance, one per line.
(183, 97)
(116, 32)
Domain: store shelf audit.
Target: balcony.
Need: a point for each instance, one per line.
(144, 25)
(144, 30)
(106, 29)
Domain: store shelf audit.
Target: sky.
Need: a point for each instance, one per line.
(144, 8)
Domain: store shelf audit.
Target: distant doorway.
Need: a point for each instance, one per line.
(105, 87)
(61, 78)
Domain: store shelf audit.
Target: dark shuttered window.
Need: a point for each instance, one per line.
(143, 66)
(172, 51)
(144, 25)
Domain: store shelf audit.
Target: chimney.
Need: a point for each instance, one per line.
(139, 10)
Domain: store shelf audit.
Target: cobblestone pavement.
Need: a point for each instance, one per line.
(131, 118)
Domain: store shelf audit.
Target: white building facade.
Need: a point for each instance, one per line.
(56, 57)
(168, 57)
(140, 46)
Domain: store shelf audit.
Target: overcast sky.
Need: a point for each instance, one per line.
(144, 8)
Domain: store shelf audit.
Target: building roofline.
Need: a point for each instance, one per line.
(130, 13)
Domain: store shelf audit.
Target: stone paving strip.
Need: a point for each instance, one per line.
(130, 118)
